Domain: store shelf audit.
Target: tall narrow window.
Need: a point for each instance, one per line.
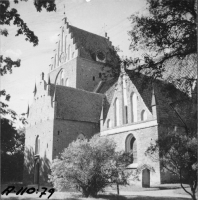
(143, 115)
(133, 107)
(37, 145)
(131, 145)
(116, 112)
(67, 82)
(73, 55)
(108, 123)
(126, 114)
(125, 102)
(62, 78)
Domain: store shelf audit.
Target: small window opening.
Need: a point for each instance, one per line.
(93, 78)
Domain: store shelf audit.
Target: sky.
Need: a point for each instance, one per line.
(96, 16)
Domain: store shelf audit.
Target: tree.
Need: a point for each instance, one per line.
(178, 155)
(118, 171)
(168, 30)
(8, 15)
(176, 150)
(167, 34)
(12, 151)
(87, 166)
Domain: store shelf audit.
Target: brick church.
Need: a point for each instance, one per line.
(77, 99)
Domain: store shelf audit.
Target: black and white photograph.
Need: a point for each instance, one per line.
(98, 99)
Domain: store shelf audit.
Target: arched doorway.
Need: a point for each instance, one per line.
(146, 178)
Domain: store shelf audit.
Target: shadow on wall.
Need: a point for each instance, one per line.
(29, 168)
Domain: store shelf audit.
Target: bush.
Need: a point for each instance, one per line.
(87, 166)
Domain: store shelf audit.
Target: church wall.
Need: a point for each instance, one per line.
(144, 137)
(66, 131)
(130, 88)
(88, 75)
(166, 176)
(69, 73)
(40, 123)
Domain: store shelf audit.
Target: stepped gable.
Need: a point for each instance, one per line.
(165, 93)
(89, 43)
(76, 104)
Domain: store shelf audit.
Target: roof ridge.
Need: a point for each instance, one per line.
(88, 32)
(71, 88)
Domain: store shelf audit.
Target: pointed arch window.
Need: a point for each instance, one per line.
(116, 112)
(37, 145)
(143, 115)
(131, 146)
(62, 78)
(67, 82)
(133, 100)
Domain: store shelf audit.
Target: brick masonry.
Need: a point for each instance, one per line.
(59, 114)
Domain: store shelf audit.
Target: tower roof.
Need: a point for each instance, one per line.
(89, 43)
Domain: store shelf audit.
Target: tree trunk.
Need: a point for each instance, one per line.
(118, 191)
(194, 196)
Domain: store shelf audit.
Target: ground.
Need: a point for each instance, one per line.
(162, 192)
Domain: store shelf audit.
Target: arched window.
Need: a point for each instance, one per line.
(81, 137)
(68, 52)
(37, 145)
(131, 145)
(116, 112)
(133, 107)
(108, 123)
(67, 82)
(143, 115)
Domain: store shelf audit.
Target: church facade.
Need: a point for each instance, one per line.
(77, 100)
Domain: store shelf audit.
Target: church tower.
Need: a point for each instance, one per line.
(82, 56)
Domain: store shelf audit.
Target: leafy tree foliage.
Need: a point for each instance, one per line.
(12, 151)
(89, 166)
(178, 155)
(7, 16)
(166, 31)
(117, 169)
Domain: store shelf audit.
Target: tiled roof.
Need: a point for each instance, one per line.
(76, 104)
(180, 69)
(90, 43)
(165, 93)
